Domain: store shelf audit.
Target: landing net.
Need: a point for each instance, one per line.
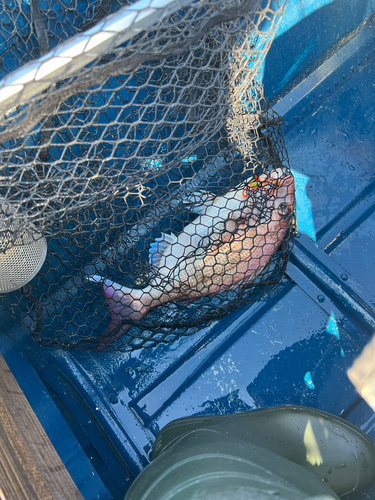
(137, 144)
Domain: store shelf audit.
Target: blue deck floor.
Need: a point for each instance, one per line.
(292, 347)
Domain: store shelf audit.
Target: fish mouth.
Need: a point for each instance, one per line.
(292, 213)
(287, 180)
(286, 188)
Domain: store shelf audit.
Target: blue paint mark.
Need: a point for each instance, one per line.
(296, 11)
(189, 160)
(332, 326)
(333, 329)
(155, 164)
(305, 221)
(308, 381)
(293, 70)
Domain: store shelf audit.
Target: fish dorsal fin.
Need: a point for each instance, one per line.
(198, 201)
(160, 248)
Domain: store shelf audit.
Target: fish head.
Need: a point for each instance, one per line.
(245, 194)
(270, 195)
(259, 185)
(272, 203)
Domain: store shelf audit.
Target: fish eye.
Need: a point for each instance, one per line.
(284, 210)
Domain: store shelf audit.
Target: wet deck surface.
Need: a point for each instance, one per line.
(291, 348)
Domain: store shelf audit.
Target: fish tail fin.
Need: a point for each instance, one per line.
(123, 303)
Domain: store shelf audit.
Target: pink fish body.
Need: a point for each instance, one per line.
(233, 251)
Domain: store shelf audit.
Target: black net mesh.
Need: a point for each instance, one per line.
(157, 173)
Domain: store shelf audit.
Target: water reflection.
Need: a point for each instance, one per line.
(305, 219)
(333, 329)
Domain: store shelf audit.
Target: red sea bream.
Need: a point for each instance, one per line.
(227, 245)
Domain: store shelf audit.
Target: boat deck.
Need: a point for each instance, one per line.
(103, 410)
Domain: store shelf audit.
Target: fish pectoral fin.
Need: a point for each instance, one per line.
(160, 248)
(198, 201)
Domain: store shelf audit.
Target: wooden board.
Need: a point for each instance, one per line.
(362, 373)
(30, 468)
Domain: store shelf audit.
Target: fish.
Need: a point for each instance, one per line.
(227, 245)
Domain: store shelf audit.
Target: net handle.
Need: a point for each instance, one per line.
(75, 53)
